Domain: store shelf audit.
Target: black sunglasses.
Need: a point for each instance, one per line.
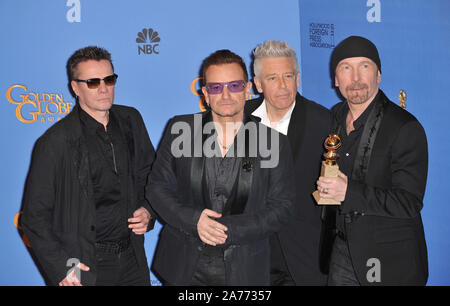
(94, 83)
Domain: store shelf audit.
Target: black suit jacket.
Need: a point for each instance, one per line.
(263, 205)
(301, 240)
(385, 196)
(58, 205)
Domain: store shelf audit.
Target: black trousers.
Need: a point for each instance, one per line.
(210, 271)
(341, 267)
(279, 272)
(120, 269)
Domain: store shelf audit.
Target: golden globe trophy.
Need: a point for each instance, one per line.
(402, 98)
(329, 166)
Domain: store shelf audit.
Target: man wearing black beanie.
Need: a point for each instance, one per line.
(384, 159)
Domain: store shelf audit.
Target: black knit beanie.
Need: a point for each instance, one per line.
(355, 46)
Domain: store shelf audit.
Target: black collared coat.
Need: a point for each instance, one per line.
(58, 204)
(302, 242)
(384, 198)
(264, 205)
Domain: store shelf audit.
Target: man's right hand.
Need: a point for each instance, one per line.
(71, 279)
(210, 231)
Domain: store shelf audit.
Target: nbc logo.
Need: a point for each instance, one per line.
(150, 44)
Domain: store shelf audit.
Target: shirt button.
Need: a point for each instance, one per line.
(92, 228)
(347, 154)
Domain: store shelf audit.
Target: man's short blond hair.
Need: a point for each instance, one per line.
(272, 48)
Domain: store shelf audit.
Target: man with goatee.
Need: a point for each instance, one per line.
(379, 233)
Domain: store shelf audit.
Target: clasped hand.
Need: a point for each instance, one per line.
(209, 230)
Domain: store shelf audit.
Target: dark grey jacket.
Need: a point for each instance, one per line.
(264, 204)
(385, 196)
(304, 248)
(58, 207)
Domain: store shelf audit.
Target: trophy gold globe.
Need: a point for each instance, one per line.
(329, 166)
(402, 98)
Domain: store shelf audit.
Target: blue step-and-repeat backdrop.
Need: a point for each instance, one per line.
(157, 48)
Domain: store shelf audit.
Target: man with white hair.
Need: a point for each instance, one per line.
(296, 251)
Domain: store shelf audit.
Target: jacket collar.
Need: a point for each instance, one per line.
(372, 121)
(296, 129)
(77, 143)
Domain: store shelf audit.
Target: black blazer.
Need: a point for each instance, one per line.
(301, 240)
(385, 196)
(58, 205)
(264, 201)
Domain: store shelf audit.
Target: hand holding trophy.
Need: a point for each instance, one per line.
(329, 167)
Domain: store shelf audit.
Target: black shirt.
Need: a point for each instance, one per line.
(221, 174)
(350, 145)
(108, 160)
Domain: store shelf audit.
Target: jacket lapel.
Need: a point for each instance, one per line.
(245, 176)
(198, 163)
(79, 150)
(368, 138)
(296, 129)
(83, 170)
(252, 105)
(245, 180)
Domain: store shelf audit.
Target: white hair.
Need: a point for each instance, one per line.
(272, 48)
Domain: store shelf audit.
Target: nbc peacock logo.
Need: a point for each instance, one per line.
(148, 41)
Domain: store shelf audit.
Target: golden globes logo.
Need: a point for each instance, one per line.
(32, 106)
(18, 225)
(202, 103)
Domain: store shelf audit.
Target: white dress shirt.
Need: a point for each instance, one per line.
(280, 126)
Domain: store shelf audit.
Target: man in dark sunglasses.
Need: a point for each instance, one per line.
(84, 208)
(219, 209)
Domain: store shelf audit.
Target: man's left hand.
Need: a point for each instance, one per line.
(333, 187)
(140, 220)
